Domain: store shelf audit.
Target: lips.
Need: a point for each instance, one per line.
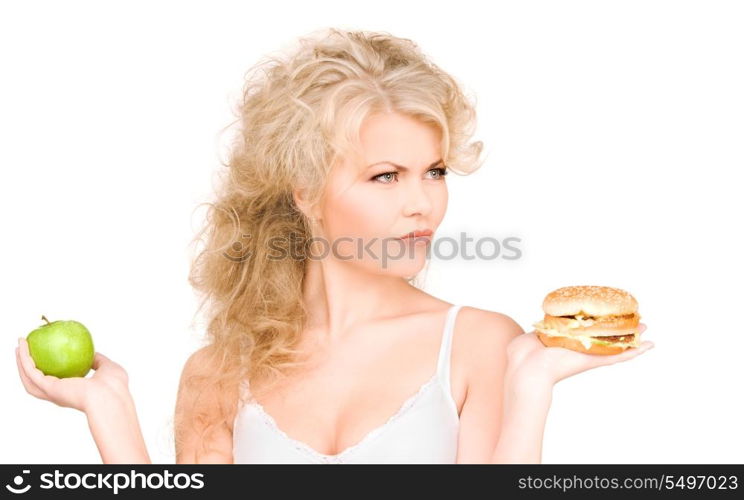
(417, 233)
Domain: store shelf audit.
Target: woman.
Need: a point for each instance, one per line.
(321, 346)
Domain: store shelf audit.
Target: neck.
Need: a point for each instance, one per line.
(340, 296)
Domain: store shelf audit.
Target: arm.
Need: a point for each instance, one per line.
(486, 336)
(196, 407)
(112, 419)
(113, 422)
(526, 407)
(532, 371)
(104, 398)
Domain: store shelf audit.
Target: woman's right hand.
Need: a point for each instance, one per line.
(73, 392)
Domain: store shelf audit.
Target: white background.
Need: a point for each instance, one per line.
(614, 139)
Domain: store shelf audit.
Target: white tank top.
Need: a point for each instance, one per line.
(423, 430)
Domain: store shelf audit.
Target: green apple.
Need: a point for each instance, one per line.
(62, 348)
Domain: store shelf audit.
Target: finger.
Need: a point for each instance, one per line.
(630, 353)
(644, 346)
(34, 374)
(641, 328)
(27, 383)
(99, 359)
(27, 362)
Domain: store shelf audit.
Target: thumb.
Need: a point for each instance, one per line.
(98, 360)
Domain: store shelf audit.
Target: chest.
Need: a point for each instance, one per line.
(357, 388)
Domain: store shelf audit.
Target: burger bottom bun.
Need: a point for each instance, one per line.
(576, 345)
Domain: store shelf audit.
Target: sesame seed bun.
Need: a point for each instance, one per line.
(592, 300)
(590, 319)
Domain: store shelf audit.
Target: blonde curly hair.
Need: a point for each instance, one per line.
(301, 112)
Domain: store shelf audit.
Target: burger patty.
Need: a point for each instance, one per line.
(617, 338)
(610, 316)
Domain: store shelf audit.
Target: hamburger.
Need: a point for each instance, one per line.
(590, 319)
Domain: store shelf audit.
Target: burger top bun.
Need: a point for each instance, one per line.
(591, 300)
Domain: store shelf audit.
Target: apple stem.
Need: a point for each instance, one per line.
(44, 318)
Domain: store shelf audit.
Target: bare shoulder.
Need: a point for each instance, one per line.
(485, 336)
(196, 408)
(195, 370)
(197, 376)
(196, 362)
(194, 358)
(488, 328)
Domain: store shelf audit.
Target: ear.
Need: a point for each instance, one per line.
(300, 200)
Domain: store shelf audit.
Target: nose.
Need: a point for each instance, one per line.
(417, 201)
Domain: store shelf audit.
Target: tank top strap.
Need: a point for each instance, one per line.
(445, 349)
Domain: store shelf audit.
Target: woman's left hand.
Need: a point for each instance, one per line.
(529, 358)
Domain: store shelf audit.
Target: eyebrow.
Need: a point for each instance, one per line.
(405, 169)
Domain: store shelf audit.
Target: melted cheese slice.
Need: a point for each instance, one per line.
(576, 322)
(585, 340)
(580, 321)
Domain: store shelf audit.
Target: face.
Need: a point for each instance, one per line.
(370, 203)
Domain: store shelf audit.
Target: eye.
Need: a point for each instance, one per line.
(394, 173)
(441, 172)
